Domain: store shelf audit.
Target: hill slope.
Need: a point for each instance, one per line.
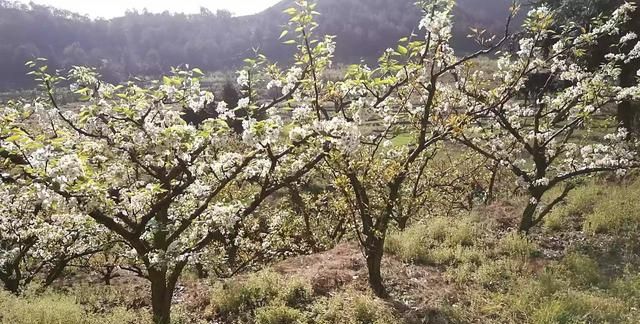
(144, 43)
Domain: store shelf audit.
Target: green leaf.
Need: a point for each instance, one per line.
(13, 138)
(284, 33)
(402, 50)
(289, 42)
(197, 71)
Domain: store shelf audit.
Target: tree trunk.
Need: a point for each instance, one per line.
(11, 277)
(108, 274)
(402, 223)
(201, 272)
(628, 110)
(527, 221)
(300, 208)
(12, 285)
(374, 250)
(492, 183)
(161, 296)
(55, 273)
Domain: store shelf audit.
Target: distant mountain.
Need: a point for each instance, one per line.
(147, 44)
(364, 28)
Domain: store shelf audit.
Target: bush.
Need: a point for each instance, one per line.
(122, 315)
(446, 255)
(442, 240)
(279, 315)
(583, 199)
(605, 208)
(580, 307)
(40, 310)
(462, 233)
(549, 299)
(262, 289)
(497, 273)
(296, 292)
(616, 212)
(412, 245)
(438, 228)
(557, 219)
(517, 245)
(581, 270)
(570, 291)
(53, 308)
(100, 298)
(353, 308)
(580, 203)
(268, 298)
(628, 288)
(236, 297)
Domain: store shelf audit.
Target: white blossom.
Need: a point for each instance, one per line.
(223, 111)
(628, 37)
(243, 78)
(243, 103)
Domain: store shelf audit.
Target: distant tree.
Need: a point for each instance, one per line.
(205, 12)
(230, 95)
(152, 63)
(74, 54)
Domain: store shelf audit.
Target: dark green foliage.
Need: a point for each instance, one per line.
(230, 95)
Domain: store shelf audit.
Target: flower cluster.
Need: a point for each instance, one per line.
(437, 21)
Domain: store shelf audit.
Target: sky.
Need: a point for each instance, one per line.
(114, 8)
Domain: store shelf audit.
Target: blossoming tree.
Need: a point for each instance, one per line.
(545, 141)
(40, 232)
(176, 190)
(407, 94)
(38, 239)
(167, 189)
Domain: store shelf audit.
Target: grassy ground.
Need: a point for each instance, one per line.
(582, 266)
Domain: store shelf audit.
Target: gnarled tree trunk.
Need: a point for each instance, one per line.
(628, 110)
(374, 250)
(161, 297)
(11, 282)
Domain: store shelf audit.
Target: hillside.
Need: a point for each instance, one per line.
(365, 28)
(144, 43)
